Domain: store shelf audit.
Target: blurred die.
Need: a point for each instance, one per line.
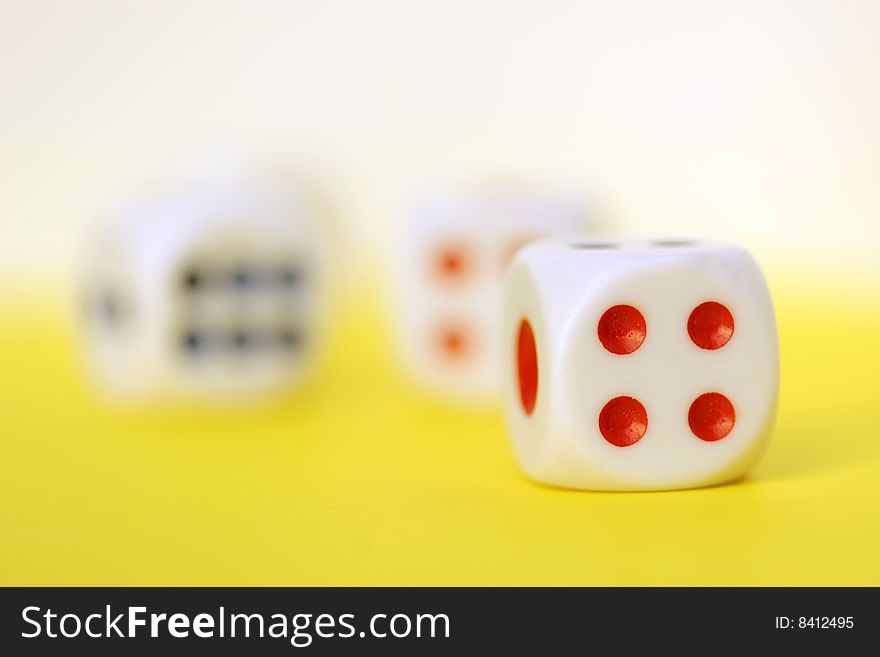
(214, 292)
(454, 249)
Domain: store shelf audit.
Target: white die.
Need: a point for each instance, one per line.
(600, 399)
(215, 292)
(454, 250)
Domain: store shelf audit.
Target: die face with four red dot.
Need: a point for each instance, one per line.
(638, 365)
(455, 247)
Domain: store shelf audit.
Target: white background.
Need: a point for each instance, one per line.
(756, 120)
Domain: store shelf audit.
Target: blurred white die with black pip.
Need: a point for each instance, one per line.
(213, 292)
(454, 249)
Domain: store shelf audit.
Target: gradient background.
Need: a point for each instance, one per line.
(752, 121)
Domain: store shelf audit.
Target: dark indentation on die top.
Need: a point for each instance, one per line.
(673, 244)
(290, 338)
(595, 246)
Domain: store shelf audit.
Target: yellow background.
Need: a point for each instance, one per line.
(363, 481)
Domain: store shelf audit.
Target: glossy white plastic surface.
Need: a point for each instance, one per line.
(562, 288)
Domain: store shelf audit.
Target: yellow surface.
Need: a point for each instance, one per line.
(362, 481)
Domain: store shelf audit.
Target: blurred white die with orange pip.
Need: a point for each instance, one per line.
(454, 250)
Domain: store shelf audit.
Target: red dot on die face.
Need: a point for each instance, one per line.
(622, 329)
(454, 343)
(711, 416)
(710, 325)
(527, 366)
(452, 262)
(623, 421)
